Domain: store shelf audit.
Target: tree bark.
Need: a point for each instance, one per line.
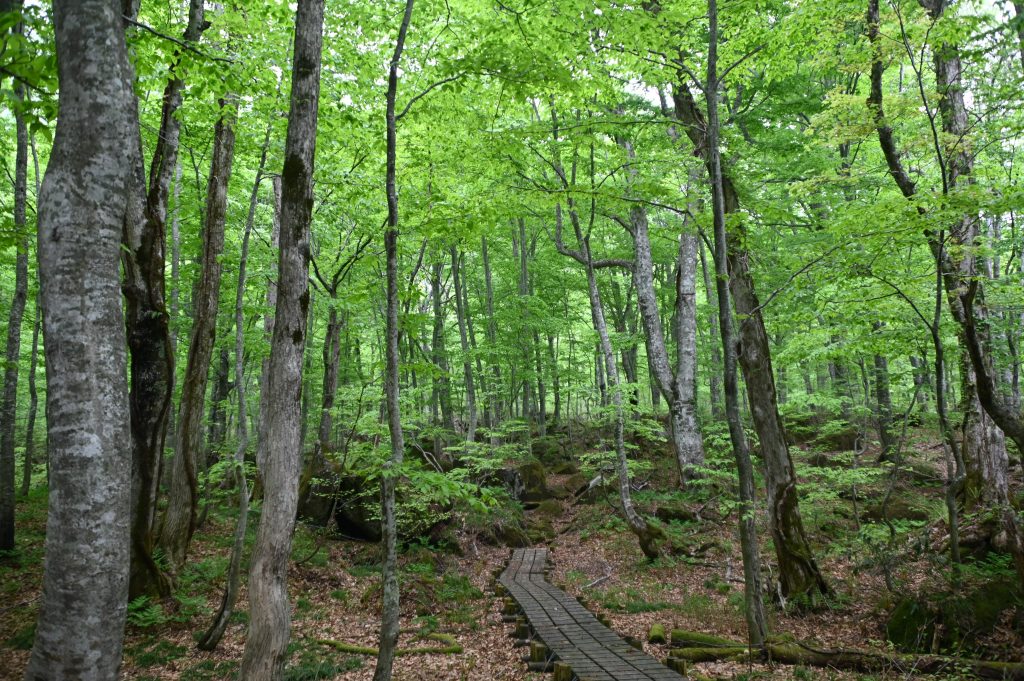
(714, 387)
(212, 637)
(181, 518)
(146, 318)
(493, 398)
(9, 403)
(757, 623)
(84, 195)
(279, 455)
(390, 613)
(33, 405)
(467, 366)
(798, 571)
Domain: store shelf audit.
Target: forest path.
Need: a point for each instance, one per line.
(573, 636)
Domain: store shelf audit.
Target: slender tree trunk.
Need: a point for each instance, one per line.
(279, 454)
(714, 387)
(147, 321)
(33, 405)
(181, 518)
(482, 377)
(757, 625)
(467, 365)
(212, 637)
(80, 629)
(1018, 9)
(883, 403)
(555, 383)
(442, 380)
(332, 358)
(271, 306)
(390, 613)
(9, 404)
(494, 398)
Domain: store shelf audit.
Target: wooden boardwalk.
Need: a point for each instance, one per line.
(572, 634)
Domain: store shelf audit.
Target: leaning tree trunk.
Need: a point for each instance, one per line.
(279, 455)
(798, 571)
(80, 629)
(181, 518)
(647, 535)
(9, 401)
(147, 322)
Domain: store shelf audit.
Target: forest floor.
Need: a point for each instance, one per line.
(697, 586)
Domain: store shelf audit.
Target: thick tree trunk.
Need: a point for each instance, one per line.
(467, 365)
(9, 401)
(279, 454)
(181, 518)
(80, 630)
(390, 612)
(686, 346)
(271, 306)
(147, 321)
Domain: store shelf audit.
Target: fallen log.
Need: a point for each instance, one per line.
(697, 647)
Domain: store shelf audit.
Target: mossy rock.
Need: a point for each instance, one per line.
(964, 617)
(510, 534)
(540, 530)
(566, 468)
(842, 439)
(549, 508)
(535, 483)
(674, 512)
(548, 450)
(901, 507)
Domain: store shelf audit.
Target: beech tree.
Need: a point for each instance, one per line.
(83, 200)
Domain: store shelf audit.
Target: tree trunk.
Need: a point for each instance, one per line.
(686, 347)
(494, 398)
(212, 637)
(883, 403)
(467, 366)
(147, 321)
(80, 629)
(442, 380)
(9, 404)
(181, 518)
(390, 613)
(798, 572)
(714, 386)
(33, 406)
(279, 454)
(331, 357)
(757, 624)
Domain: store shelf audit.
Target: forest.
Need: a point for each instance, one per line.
(336, 331)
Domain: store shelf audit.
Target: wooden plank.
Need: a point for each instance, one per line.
(570, 631)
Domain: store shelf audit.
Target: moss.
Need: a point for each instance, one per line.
(657, 634)
(550, 508)
(449, 646)
(695, 639)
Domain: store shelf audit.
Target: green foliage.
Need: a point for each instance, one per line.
(144, 613)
